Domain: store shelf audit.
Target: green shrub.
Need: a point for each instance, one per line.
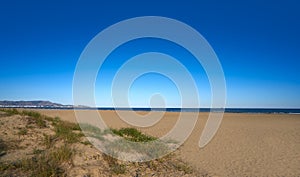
(133, 134)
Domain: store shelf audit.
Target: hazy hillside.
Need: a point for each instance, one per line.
(38, 103)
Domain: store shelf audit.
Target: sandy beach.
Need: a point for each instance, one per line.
(153, 70)
(245, 144)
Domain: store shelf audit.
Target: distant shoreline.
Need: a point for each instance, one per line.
(226, 110)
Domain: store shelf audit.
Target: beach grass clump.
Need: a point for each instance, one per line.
(10, 112)
(49, 140)
(47, 163)
(132, 134)
(93, 131)
(140, 145)
(65, 130)
(43, 163)
(90, 128)
(66, 125)
(40, 123)
(38, 119)
(61, 154)
(33, 114)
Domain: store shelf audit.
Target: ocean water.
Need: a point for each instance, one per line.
(227, 110)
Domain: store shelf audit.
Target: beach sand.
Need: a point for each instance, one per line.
(245, 144)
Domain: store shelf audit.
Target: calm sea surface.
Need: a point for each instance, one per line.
(228, 110)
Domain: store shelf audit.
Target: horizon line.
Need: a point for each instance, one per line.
(71, 105)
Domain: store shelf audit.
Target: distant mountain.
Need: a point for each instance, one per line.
(38, 104)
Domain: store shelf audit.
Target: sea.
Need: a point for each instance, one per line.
(226, 110)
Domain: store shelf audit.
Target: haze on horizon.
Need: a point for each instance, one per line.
(256, 42)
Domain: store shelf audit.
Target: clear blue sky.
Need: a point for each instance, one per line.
(257, 42)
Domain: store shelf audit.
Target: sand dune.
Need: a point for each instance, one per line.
(245, 144)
